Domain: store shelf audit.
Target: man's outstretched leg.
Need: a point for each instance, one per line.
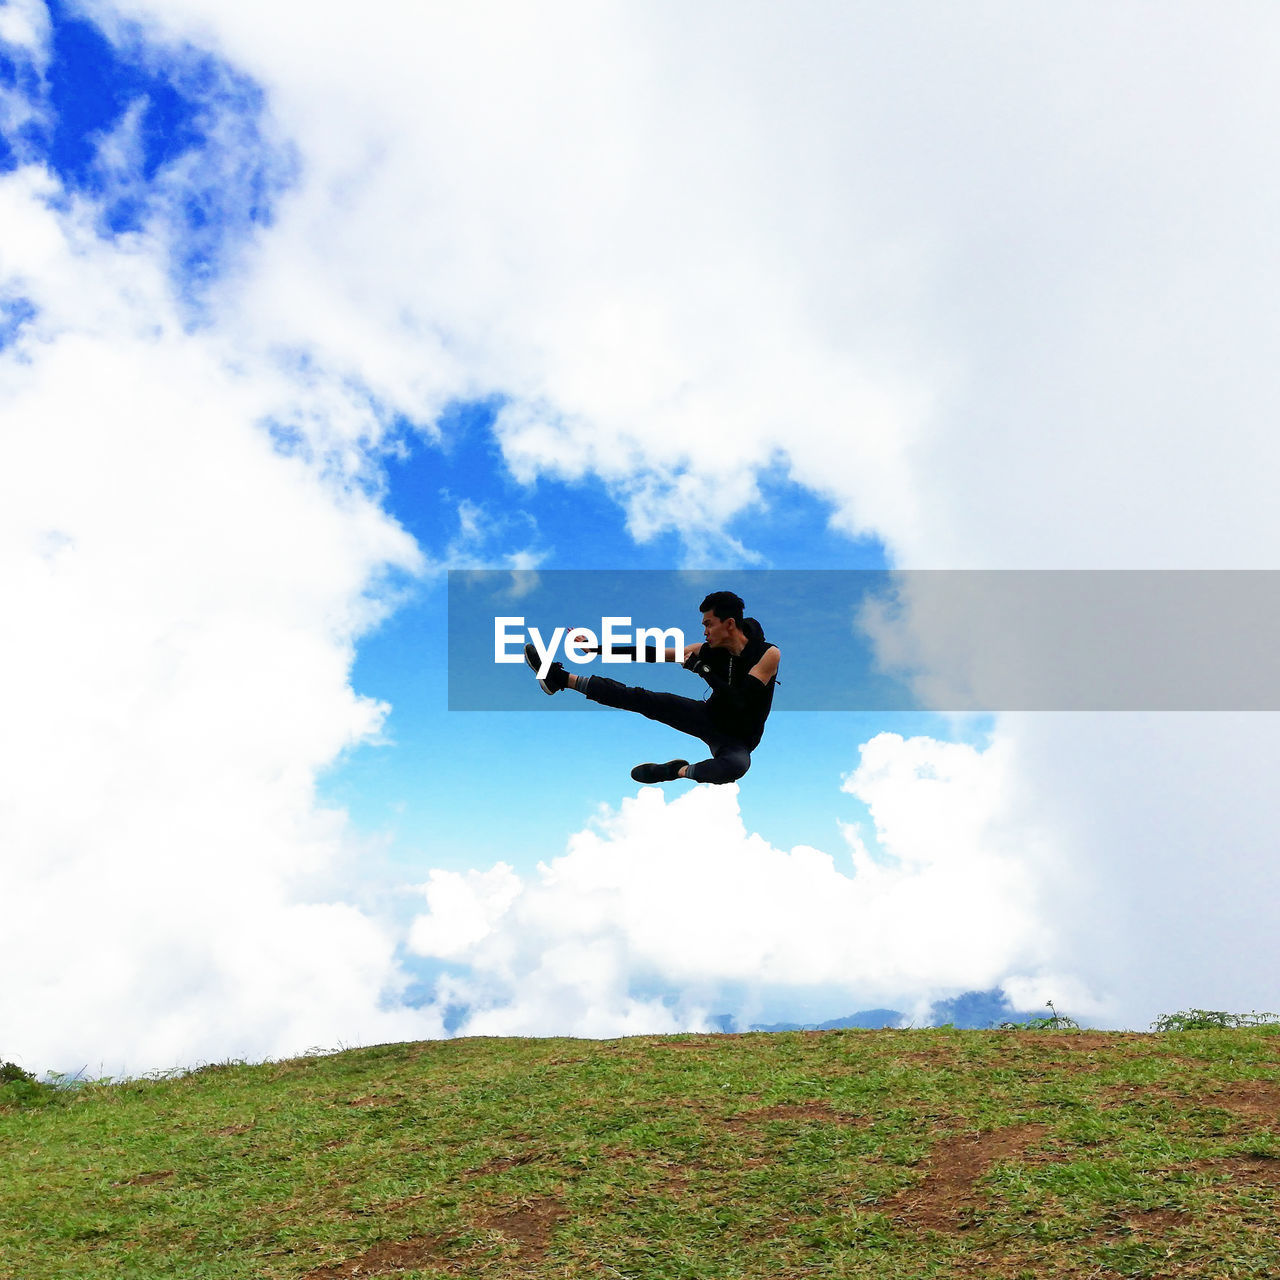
(730, 758)
(683, 714)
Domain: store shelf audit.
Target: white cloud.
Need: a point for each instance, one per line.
(1165, 823)
(24, 24)
(994, 282)
(183, 603)
(677, 895)
(597, 232)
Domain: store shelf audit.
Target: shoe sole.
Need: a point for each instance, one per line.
(531, 658)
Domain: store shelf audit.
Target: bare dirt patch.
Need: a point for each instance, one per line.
(146, 1179)
(802, 1111)
(377, 1100)
(1154, 1222)
(946, 1195)
(1263, 1170)
(500, 1164)
(1080, 1041)
(676, 1178)
(529, 1224)
(1255, 1099)
(702, 1179)
(939, 1055)
(1119, 1095)
(384, 1259)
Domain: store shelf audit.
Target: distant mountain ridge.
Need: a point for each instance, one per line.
(970, 1011)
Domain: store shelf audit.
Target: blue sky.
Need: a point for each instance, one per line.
(432, 784)
(295, 316)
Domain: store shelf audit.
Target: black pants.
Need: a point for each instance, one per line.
(730, 757)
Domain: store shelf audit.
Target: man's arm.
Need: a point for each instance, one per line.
(767, 667)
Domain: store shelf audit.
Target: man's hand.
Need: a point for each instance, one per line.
(699, 666)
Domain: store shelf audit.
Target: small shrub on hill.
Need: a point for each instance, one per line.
(19, 1088)
(1212, 1020)
(1055, 1022)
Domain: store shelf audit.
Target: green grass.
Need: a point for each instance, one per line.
(892, 1154)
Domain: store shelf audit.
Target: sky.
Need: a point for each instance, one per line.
(302, 307)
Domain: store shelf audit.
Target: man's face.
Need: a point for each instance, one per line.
(717, 631)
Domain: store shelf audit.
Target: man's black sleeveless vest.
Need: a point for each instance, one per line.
(741, 704)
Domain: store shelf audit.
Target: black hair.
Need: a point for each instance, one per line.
(725, 605)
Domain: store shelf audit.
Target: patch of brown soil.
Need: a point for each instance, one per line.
(946, 1194)
(677, 1177)
(501, 1163)
(1084, 1041)
(529, 1224)
(984, 1266)
(1004, 1263)
(376, 1100)
(822, 1111)
(1119, 1095)
(387, 1206)
(1158, 1222)
(1256, 1099)
(1249, 1099)
(232, 1129)
(145, 1179)
(1257, 1169)
(384, 1259)
(943, 1054)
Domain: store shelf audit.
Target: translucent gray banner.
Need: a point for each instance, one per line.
(911, 640)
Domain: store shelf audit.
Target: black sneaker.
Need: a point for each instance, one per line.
(557, 677)
(668, 772)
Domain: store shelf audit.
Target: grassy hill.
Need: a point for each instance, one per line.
(893, 1154)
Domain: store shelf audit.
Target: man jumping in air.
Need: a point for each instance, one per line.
(738, 663)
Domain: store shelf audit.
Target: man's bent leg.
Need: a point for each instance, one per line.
(728, 764)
